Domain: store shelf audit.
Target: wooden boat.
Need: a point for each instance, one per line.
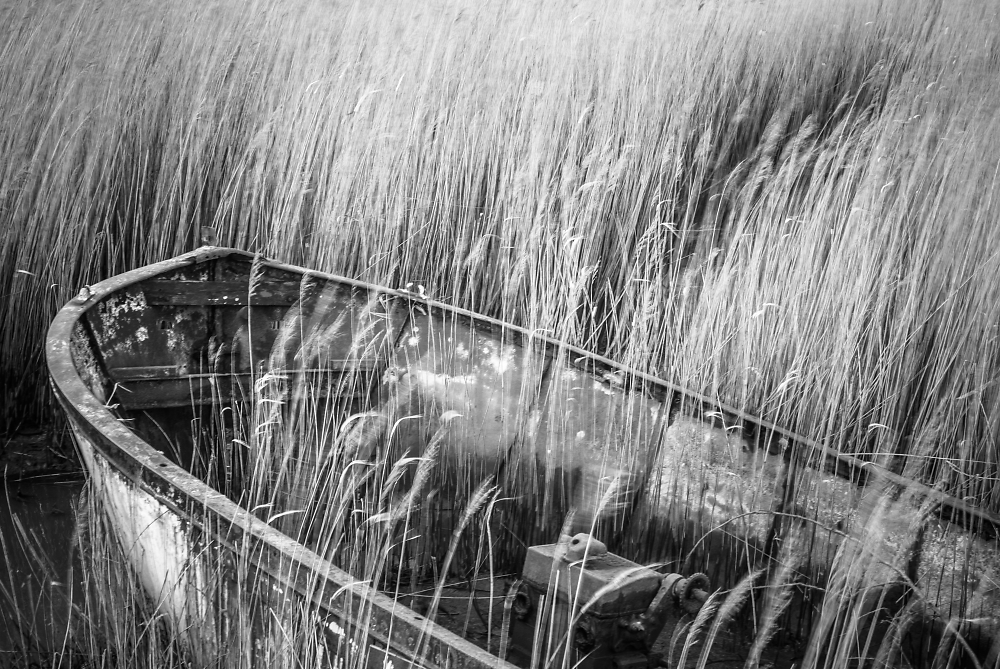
(146, 363)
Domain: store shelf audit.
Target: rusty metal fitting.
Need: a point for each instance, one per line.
(668, 586)
(521, 605)
(634, 626)
(584, 635)
(692, 592)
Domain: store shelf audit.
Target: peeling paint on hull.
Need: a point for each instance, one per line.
(155, 542)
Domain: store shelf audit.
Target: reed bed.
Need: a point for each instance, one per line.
(788, 206)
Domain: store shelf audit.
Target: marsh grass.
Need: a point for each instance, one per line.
(772, 203)
(788, 206)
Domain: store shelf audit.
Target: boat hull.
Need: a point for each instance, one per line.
(659, 472)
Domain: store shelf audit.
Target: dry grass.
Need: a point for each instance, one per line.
(786, 205)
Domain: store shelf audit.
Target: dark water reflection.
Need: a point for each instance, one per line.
(40, 573)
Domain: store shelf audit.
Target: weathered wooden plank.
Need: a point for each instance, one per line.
(180, 391)
(219, 293)
(145, 372)
(146, 390)
(152, 372)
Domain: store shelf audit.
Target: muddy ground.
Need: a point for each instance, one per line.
(35, 452)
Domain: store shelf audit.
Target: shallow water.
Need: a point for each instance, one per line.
(40, 572)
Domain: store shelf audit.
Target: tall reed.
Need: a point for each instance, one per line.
(784, 205)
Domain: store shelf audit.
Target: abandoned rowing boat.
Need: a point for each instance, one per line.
(180, 378)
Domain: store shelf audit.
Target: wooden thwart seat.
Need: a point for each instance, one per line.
(165, 386)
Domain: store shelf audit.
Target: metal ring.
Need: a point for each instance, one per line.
(694, 582)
